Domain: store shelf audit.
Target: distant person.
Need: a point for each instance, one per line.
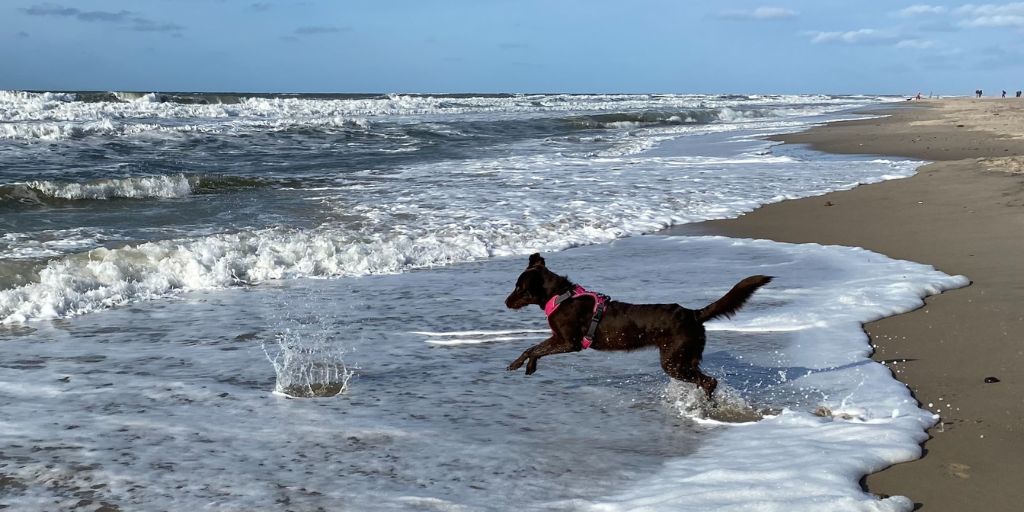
(977, 93)
(918, 97)
(1004, 94)
(1018, 94)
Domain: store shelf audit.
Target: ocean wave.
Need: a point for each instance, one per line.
(59, 116)
(55, 131)
(103, 278)
(39, 245)
(620, 120)
(372, 232)
(40, 192)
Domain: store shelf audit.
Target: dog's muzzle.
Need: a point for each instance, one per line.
(516, 301)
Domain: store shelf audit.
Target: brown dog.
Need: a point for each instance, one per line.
(676, 331)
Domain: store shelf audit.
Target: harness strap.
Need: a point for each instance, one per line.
(556, 301)
(596, 319)
(579, 291)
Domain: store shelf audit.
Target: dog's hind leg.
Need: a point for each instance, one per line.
(706, 382)
(552, 345)
(683, 365)
(690, 374)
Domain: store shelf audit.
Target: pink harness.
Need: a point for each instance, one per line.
(579, 291)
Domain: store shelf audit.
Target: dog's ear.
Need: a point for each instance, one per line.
(535, 260)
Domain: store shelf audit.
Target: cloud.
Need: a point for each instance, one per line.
(938, 25)
(1008, 15)
(916, 44)
(991, 9)
(71, 12)
(312, 30)
(318, 29)
(127, 19)
(992, 15)
(919, 10)
(871, 36)
(144, 25)
(760, 13)
(261, 6)
(994, 21)
(864, 36)
(22, 35)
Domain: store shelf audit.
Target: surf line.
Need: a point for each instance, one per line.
(476, 337)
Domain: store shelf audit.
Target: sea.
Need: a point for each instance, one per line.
(295, 302)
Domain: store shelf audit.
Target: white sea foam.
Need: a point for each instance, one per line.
(51, 242)
(178, 415)
(472, 211)
(794, 460)
(469, 337)
(874, 421)
(140, 187)
(56, 116)
(139, 408)
(52, 131)
(477, 341)
(472, 333)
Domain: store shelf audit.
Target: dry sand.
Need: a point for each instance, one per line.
(963, 214)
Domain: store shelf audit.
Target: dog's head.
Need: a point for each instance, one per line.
(531, 287)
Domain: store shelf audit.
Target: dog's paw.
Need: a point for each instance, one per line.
(518, 363)
(531, 367)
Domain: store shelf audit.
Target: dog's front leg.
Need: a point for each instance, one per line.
(552, 345)
(527, 355)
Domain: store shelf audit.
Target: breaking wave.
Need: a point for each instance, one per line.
(387, 243)
(39, 193)
(52, 131)
(103, 278)
(661, 118)
(31, 116)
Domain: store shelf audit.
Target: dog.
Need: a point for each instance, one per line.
(576, 322)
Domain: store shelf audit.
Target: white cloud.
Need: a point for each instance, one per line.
(862, 36)
(967, 15)
(992, 15)
(916, 44)
(995, 21)
(760, 13)
(991, 9)
(774, 12)
(920, 9)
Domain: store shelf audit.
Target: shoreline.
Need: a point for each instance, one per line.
(963, 214)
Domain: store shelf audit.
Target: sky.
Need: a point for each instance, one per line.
(629, 46)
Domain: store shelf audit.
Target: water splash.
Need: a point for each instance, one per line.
(308, 360)
(726, 406)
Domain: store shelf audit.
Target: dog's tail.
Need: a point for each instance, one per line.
(731, 302)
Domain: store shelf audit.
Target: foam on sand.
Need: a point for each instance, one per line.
(801, 458)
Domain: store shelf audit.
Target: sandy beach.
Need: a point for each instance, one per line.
(963, 214)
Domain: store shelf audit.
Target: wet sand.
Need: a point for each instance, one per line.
(963, 214)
